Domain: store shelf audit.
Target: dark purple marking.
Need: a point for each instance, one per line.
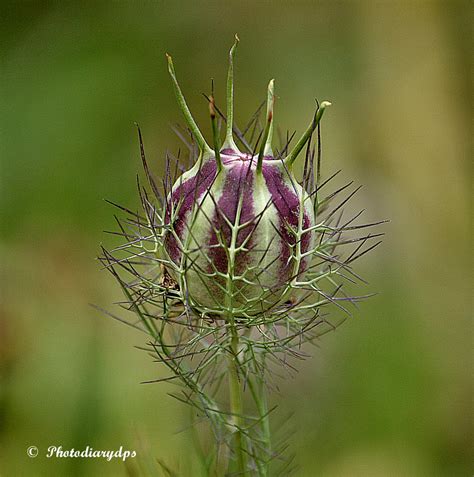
(238, 182)
(183, 198)
(287, 203)
(230, 159)
(229, 152)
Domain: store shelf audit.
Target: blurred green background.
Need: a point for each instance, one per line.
(387, 394)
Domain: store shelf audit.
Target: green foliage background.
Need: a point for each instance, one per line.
(388, 394)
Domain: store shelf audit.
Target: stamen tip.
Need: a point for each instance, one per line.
(170, 63)
(212, 109)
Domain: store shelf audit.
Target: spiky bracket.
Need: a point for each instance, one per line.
(196, 343)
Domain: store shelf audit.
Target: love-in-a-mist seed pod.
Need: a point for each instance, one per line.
(240, 228)
(230, 269)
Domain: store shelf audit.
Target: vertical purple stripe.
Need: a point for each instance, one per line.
(287, 203)
(238, 182)
(183, 198)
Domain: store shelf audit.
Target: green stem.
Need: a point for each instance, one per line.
(236, 402)
(259, 394)
(263, 411)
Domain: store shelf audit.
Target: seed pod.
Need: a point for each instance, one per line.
(239, 226)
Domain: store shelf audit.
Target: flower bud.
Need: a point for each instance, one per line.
(239, 232)
(240, 228)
